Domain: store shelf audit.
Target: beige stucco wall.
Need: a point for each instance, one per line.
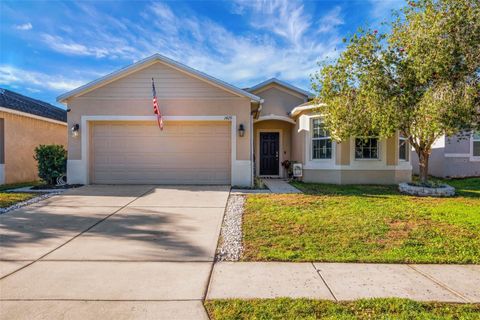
(342, 153)
(278, 100)
(178, 95)
(285, 130)
(2, 141)
(22, 135)
(298, 143)
(357, 176)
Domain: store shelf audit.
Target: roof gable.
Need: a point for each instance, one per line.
(281, 83)
(15, 101)
(140, 65)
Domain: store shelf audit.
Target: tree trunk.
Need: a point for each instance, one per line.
(423, 157)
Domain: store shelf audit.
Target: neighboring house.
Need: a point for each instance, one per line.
(453, 157)
(26, 123)
(214, 133)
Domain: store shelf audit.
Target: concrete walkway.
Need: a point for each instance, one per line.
(280, 186)
(345, 281)
(111, 252)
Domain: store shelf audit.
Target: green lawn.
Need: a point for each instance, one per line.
(8, 198)
(364, 224)
(283, 308)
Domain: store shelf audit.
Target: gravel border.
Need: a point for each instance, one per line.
(230, 246)
(21, 204)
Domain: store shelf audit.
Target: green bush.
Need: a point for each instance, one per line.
(52, 162)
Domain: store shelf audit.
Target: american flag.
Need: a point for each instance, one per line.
(156, 110)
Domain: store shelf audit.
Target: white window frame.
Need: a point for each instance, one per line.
(472, 141)
(320, 138)
(366, 159)
(407, 148)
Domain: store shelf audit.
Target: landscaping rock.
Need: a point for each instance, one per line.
(442, 191)
(28, 202)
(231, 247)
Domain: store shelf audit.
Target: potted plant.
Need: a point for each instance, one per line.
(287, 164)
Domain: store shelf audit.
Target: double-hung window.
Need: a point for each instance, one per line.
(476, 144)
(403, 150)
(366, 148)
(321, 141)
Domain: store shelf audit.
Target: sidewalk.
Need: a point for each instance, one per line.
(345, 281)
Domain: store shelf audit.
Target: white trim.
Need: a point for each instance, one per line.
(317, 164)
(2, 173)
(82, 167)
(302, 107)
(407, 148)
(319, 138)
(457, 155)
(472, 157)
(281, 83)
(147, 62)
(280, 151)
(275, 117)
(379, 149)
(163, 98)
(29, 115)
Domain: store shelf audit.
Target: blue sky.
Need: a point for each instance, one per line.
(50, 47)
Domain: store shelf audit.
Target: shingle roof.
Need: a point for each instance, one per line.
(18, 102)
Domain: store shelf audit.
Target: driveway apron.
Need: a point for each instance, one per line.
(116, 252)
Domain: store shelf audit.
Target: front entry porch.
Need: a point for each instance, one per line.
(272, 146)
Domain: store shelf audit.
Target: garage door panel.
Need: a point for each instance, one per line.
(165, 177)
(175, 129)
(162, 144)
(183, 153)
(162, 161)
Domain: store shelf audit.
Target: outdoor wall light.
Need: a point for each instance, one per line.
(241, 130)
(75, 130)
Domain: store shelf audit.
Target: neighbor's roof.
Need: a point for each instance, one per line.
(21, 103)
(150, 60)
(283, 84)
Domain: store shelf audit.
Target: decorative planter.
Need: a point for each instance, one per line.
(442, 191)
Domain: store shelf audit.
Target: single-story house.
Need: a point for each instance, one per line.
(214, 132)
(26, 123)
(453, 157)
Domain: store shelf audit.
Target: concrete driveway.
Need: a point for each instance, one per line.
(111, 252)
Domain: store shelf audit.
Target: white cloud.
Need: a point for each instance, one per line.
(285, 18)
(24, 27)
(284, 41)
(382, 9)
(33, 90)
(36, 81)
(330, 21)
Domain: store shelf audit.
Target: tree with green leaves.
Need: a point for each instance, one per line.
(421, 78)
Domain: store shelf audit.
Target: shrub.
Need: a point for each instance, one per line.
(52, 162)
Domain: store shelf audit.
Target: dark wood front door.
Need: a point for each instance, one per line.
(269, 153)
